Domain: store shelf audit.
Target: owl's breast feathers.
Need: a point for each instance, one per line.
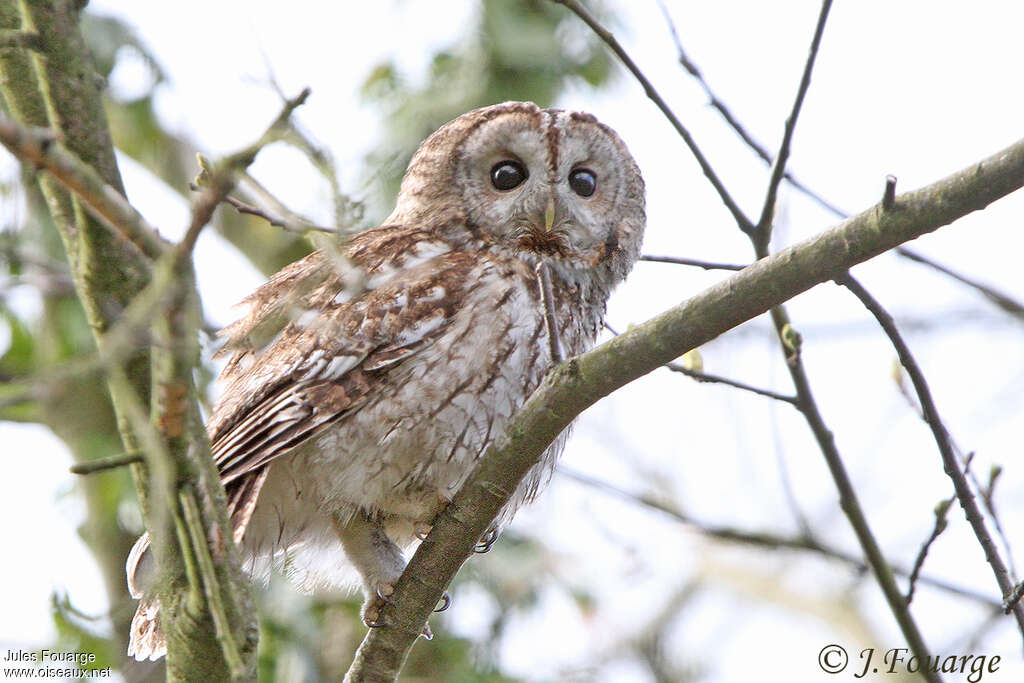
(322, 336)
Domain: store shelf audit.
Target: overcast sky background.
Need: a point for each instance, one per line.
(917, 89)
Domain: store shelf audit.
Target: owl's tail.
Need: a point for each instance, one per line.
(146, 639)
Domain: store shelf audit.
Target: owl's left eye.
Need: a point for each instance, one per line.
(583, 182)
(507, 175)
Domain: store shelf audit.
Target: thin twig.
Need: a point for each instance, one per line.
(40, 148)
(987, 494)
(287, 225)
(985, 491)
(103, 464)
(716, 379)
(1000, 299)
(706, 265)
(763, 231)
(941, 522)
(716, 102)
(848, 500)
(949, 461)
(762, 539)
(790, 343)
(706, 377)
(741, 219)
(550, 316)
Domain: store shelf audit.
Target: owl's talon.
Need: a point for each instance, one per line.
(372, 607)
(487, 540)
(421, 530)
(384, 592)
(371, 617)
(426, 633)
(444, 603)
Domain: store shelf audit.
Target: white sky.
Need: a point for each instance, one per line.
(917, 88)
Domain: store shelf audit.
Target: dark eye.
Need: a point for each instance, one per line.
(583, 182)
(506, 175)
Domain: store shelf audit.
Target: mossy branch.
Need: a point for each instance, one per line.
(580, 382)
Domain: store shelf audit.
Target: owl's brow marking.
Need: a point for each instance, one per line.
(552, 135)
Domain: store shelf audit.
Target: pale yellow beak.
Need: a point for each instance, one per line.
(549, 214)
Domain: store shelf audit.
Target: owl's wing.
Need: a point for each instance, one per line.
(326, 363)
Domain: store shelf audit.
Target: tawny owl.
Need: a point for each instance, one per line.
(363, 385)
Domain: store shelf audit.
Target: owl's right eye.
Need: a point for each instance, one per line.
(508, 174)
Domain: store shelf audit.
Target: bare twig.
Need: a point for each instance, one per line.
(741, 219)
(288, 225)
(763, 230)
(103, 464)
(706, 265)
(1000, 299)
(949, 461)
(985, 491)
(889, 196)
(790, 341)
(716, 102)
(550, 316)
(763, 539)
(941, 510)
(39, 147)
(716, 379)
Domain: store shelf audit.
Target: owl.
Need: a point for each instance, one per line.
(365, 381)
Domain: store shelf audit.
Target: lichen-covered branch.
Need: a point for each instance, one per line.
(579, 383)
(116, 260)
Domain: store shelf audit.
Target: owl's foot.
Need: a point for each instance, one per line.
(487, 540)
(374, 604)
(444, 603)
(421, 529)
(376, 557)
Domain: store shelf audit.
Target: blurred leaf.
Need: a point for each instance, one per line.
(19, 359)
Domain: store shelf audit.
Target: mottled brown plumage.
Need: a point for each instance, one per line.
(362, 386)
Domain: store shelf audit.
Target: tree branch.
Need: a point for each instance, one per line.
(39, 147)
(579, 383)
(679, 261)
(768, 540)
(1000, 299)
(949, 460)
(763, 230)
(716, 102)
(604, 34)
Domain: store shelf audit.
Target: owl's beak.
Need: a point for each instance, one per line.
(545, 234)
(549, 214)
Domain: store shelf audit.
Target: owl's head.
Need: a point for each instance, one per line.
(542, 184)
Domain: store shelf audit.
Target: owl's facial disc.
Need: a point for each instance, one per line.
(546, 184)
